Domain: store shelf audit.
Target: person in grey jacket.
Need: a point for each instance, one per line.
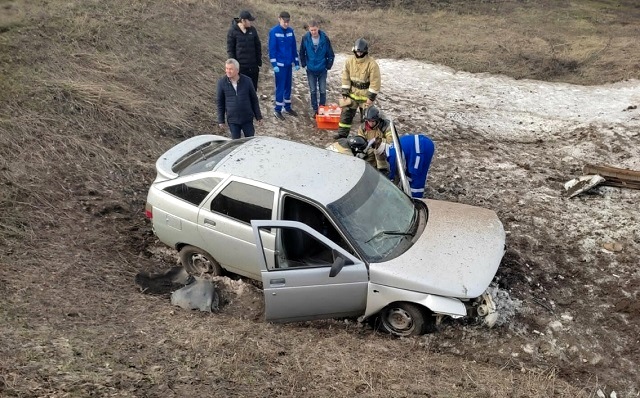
(316, 54)
(237, 99)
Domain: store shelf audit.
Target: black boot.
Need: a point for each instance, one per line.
(342, 133)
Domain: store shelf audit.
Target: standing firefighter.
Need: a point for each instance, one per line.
(360, 85)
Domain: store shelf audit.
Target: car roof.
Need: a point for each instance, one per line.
(317, 173)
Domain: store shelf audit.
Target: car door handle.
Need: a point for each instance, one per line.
(277, 282)
(209, 222)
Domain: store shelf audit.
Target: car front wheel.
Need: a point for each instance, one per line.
(198, 262)
(403, 319)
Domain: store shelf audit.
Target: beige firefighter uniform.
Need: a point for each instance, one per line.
(360, 82)
(338, 147)
(377, 159)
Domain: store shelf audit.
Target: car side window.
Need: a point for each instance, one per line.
(194, 191)
(299, 249)
(244, 202)
(295, 209)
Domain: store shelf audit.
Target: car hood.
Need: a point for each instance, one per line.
(457, 254)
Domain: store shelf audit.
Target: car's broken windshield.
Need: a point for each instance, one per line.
(377, 215)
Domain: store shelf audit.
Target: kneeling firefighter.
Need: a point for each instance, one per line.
(360, 85)
(372, 151)
(376, 127)
(353, 145)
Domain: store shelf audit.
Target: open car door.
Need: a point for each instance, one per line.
(309, 276)
(400, 161)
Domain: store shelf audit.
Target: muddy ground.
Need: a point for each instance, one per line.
(93, 93)
(510, 145)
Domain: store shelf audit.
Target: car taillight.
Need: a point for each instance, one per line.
(148, 211)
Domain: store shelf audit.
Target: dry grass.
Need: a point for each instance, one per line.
(557, 41)
(92, 91)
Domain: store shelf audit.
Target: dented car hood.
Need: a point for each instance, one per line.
(457, 254)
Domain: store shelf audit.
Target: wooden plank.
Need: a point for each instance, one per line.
(621, 184)
(612, 172)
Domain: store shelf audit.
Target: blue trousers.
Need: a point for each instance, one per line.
(317, 83)
(283, 88)
(237, 129)
(418, 152)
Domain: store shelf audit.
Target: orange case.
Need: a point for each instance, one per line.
(328, 117)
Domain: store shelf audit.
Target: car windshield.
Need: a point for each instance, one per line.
(205, 157)
(378, 216)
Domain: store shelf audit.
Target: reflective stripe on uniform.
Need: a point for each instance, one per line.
(357, 97)
(340, 124)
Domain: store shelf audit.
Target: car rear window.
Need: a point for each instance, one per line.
(195, 191)
(205, 157)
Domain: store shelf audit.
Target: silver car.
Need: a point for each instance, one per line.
(326, 234)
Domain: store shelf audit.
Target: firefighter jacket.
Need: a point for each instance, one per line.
(282, 47)
(341, 146)
(382, 130)
(361, 78)
(377, 159)
(244, 47)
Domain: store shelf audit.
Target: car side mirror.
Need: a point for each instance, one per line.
(336, 267)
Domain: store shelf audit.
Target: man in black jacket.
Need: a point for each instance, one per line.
(238, 100)
(243, 44)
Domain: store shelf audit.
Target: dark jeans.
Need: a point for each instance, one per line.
(253, 72)
(236, 130)
(317, 82)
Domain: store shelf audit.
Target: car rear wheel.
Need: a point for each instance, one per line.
(198, 262)
(403, 319)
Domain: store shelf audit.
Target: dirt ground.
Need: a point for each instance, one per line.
(93, 93)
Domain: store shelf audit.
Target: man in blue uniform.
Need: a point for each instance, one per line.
(283, 56)
(418, 151)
